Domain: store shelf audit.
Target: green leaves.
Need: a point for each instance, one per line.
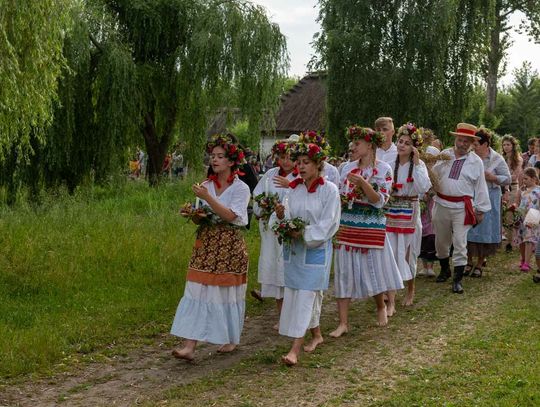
(31, 40)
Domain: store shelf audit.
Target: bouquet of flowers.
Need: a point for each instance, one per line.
(267, 203)
(348, 198)
(511, 215)
(202, 215)
(285, 227)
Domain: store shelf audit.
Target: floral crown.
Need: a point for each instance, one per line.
(232, 151)
(313, 151)
(312, 137)
(355, 133)
(282, 147)
(416, 135)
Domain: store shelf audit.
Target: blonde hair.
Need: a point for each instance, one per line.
(382, 121)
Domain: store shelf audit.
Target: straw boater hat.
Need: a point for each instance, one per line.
(466, 130)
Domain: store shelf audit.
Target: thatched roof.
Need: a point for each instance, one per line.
(220, 120)
(304, 106)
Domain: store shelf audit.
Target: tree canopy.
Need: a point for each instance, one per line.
(412, 60)
(128, 72)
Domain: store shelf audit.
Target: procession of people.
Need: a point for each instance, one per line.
(400, 197)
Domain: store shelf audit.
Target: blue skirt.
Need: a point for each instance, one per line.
(489, 231)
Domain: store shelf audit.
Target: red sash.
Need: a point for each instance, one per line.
(470, 217)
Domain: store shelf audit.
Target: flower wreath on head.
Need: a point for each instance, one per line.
(414, 133)
(313, 151)
(233, 152)
(312, 137)
(281, 147)
(355, 133)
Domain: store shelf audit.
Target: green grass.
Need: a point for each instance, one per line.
(79, 273)
(497, 365)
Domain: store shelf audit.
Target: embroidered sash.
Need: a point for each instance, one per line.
(361, 227)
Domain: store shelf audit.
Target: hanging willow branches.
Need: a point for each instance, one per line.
(185, 56)
(122, 73)
(412, 60)
(31, 40)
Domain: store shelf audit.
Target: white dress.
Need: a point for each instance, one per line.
(409, 242)
(270, 274)
(330, 173)
(363, 273)
(307, 262)
(215, 313)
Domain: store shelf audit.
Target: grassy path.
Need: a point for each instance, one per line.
(477, 349)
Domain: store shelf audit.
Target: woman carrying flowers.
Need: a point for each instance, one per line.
(364, 264)
(403, 222)
(512, 155)
(212, 308)
(266, 195)
(307, 252)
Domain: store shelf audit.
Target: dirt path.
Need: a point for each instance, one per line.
(381, 357)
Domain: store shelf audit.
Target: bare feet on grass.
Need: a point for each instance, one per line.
(390, 309)
(229, 347)
(315, 341)
(382, 318)
(184, 353)
(340, 330)
(290, 359)
(408, 300)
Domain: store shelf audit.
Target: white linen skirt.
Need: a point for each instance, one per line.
(363, 275)
(301, 311)
(400, 243)
(272, 291)
(209, 313)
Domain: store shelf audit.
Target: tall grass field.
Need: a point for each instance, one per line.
(81, 272)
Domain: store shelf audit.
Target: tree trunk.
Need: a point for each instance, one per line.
(494, 59)
(155, 148)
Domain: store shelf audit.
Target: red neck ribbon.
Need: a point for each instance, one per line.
(312, 188)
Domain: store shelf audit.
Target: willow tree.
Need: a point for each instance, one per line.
(169, 64)
(412, 60)
(31, 41)
(498, 31)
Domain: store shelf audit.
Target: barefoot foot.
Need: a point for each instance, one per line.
(289, 360)
(229, 347)
(382, 319)
(316, 341)
(186, 354)
(390, 309)
(340, 330)
(276, 327)
(408, 300)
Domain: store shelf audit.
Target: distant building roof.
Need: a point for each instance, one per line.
(303, 107)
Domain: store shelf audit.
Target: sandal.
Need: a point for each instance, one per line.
(476, 273)
(467, 270)
(536, 278)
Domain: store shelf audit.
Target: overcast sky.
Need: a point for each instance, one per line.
(297, 21)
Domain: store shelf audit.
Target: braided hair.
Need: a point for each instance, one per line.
(396, 169)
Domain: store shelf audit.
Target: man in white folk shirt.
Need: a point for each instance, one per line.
(388, 151)
(461, 201)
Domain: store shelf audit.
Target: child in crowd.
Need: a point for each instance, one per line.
(528, 236)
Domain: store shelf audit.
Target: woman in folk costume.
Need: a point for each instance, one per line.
(329, 172)
(485, 239)
(364, 264)
(403, 223)
(307, 258)
(266, 194)
(212, 308)
(512, 155)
